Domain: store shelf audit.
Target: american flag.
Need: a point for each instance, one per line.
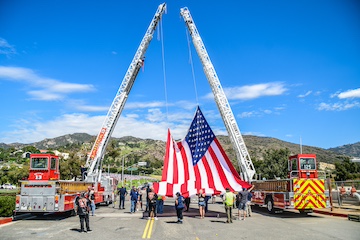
(197, 162)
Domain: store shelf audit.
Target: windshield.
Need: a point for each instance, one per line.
(307, 164)
(39, 163)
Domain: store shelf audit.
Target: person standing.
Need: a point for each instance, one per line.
(248, 204)
(122, 193)
(243, 196)
(152, 204)
(229, 198)
(148, 190)
(179, 206)
(160, 204)
(140, 205)
(91, 195)
(201, 203)
(207, 198)
(134, 196)
(82, 209)
(187, 203)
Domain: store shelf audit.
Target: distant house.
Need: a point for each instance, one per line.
(26, 155)
(57, 153)
(326, 166)
(60, 154)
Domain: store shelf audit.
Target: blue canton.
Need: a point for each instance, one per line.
(199, 137)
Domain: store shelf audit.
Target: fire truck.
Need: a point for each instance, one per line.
(44, 192)
(305, 187)
(303, 190)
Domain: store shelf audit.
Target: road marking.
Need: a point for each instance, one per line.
(148, 229)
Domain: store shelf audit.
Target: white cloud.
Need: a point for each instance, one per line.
(248, 114)
(6, 48)
(259, 113)
(267, 111)
(249, 92)
(337, 106)
(88, 108)
(153, 126)
(305, 95)
(48, 89)
(354, 93)
(136, 105)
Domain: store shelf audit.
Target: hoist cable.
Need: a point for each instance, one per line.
(164, 71)
(192, 66)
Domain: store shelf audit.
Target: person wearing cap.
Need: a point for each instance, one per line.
(229, 198)
(179, 206)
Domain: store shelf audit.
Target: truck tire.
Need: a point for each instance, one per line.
(270, 205)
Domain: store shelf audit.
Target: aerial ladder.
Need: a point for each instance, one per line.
(95, 159)
(247, 170)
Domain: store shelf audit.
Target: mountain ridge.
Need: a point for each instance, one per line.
(256, 146)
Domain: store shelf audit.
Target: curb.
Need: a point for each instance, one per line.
(331, 213)
(5, 220)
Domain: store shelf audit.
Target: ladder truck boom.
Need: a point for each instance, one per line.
(242, 154)
(94, 160)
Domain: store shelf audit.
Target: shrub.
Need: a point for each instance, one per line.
(7, 206)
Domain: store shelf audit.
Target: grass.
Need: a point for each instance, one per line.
(9, 191)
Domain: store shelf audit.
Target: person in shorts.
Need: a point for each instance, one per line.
(201, 203)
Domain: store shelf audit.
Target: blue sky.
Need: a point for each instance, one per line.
(290, 69)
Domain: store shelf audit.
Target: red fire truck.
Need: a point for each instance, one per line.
(44, 192)
(304, 189)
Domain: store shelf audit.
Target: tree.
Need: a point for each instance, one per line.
(31, 149)
(70, 168)
(275, 164)
(345, 169)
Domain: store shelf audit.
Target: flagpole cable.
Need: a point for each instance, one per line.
(192, 66)
(164, 71)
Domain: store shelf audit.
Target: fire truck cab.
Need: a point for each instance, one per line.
(44, 167)
(303, 166)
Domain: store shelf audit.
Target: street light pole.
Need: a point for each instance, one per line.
(131, 178)
(122, 171)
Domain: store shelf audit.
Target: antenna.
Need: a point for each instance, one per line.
(300, 145)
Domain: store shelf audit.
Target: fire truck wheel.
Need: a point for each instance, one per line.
(270, 205)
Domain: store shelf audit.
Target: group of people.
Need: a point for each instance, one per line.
(154, 203)
(240, 200)
(84, 204)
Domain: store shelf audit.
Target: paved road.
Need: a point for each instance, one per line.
(112, 223)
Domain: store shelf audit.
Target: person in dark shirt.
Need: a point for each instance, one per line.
(152, 204)
(82, 209)
(134, 197)
(179, 206)
(122, 192)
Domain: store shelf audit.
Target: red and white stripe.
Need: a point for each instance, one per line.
(213, 173)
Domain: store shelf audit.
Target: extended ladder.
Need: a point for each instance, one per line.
(244, 160)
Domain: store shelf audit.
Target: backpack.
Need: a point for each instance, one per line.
(83, 208)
